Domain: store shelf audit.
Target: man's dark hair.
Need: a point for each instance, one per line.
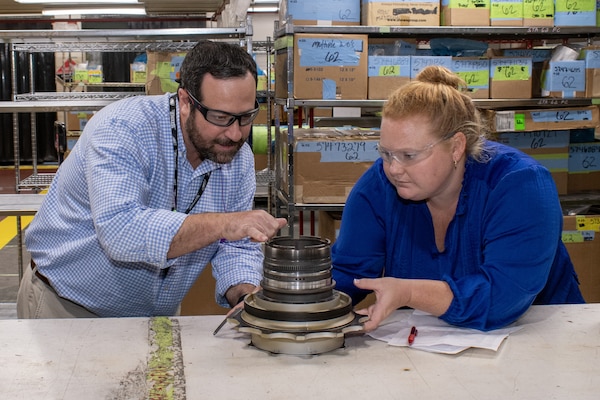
(220, 59)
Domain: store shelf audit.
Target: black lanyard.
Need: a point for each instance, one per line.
(175, 150)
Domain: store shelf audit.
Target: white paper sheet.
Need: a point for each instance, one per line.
(435, 335)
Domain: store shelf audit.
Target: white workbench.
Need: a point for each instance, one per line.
(555, 356)
(20, 205)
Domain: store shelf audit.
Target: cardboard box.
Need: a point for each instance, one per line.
(549, 148)
(76, 120)
(565, 15)
(162, 70)
(319, 12)
(401, 13)
(563, 79)
(72, 137)
(591, 55)
(581, 236)
(465, 13)
(506, 12)
(326, 66)
(584, 167)
(389, 65)
(137, 73)
(538, 58)
(263, 116)
(538, 13)
(386, 74)
(260, 162)
(510, 77)
(475, 72)
(327, 162)
(545, 119)
(200, 299)
(329, 223)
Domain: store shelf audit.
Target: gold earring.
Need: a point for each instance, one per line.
(455, 164)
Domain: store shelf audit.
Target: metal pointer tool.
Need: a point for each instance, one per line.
(232, 315)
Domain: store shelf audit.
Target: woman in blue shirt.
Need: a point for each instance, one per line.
(449, 223)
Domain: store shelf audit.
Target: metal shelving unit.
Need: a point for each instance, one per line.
(265, 179)
(428, 32)
(118, 40)
(284, 196)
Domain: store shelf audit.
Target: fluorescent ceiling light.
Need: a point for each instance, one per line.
(24, 14)
(263, 9)
(95, 11)
(78, 1)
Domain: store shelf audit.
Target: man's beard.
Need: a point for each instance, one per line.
(206, 149)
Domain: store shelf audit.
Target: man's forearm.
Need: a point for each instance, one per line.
(235, 293)
(196, 232)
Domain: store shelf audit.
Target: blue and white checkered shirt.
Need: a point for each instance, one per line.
(102, 234)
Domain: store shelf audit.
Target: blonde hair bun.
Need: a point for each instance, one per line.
(436, 74)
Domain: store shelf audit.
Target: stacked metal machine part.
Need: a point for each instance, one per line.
(297, 311)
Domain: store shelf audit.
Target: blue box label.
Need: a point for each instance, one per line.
(326, 52)
(341, 151)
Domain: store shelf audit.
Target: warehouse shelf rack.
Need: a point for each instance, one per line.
(117, 40)
(284, 36)
(428, 32)
(481, 103)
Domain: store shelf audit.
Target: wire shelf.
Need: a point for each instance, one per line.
(36, 181)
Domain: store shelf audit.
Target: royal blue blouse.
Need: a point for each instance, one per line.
(503, 249)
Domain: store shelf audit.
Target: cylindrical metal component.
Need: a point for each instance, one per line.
(297, 270)
(297, 311)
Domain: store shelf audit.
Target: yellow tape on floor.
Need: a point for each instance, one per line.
(8, 228)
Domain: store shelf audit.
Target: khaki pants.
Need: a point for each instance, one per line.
(36, 300)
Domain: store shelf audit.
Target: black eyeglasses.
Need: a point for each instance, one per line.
(224, 118)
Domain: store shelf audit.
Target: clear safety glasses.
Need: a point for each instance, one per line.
(409, 157)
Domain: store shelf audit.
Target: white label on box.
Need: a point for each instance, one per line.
(505, 121)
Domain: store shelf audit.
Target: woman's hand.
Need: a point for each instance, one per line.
(389, 297)
(431, 296)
